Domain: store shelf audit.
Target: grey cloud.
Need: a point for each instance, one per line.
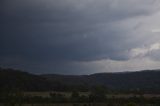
(69, 30)
(155, 55)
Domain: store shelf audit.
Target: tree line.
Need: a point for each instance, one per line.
(97, 95)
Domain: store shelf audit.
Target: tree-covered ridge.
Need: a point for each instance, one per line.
(147, 81)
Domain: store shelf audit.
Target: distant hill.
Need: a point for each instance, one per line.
(141, 80)
(147, 80)
(17, 80)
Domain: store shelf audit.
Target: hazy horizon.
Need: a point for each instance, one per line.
(80, 36)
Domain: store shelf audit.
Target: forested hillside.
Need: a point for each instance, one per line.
(146, 81)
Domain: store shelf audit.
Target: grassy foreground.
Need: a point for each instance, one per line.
(74, 98)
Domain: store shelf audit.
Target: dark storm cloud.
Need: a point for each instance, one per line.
(68, 30)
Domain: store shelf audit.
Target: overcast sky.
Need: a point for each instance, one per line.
(80, 36)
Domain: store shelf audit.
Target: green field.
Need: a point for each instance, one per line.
(68, 94)
(81, 104)
(77, 99)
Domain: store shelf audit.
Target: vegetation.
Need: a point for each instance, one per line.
(15, 84)
(19, 98)
(132, 82)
